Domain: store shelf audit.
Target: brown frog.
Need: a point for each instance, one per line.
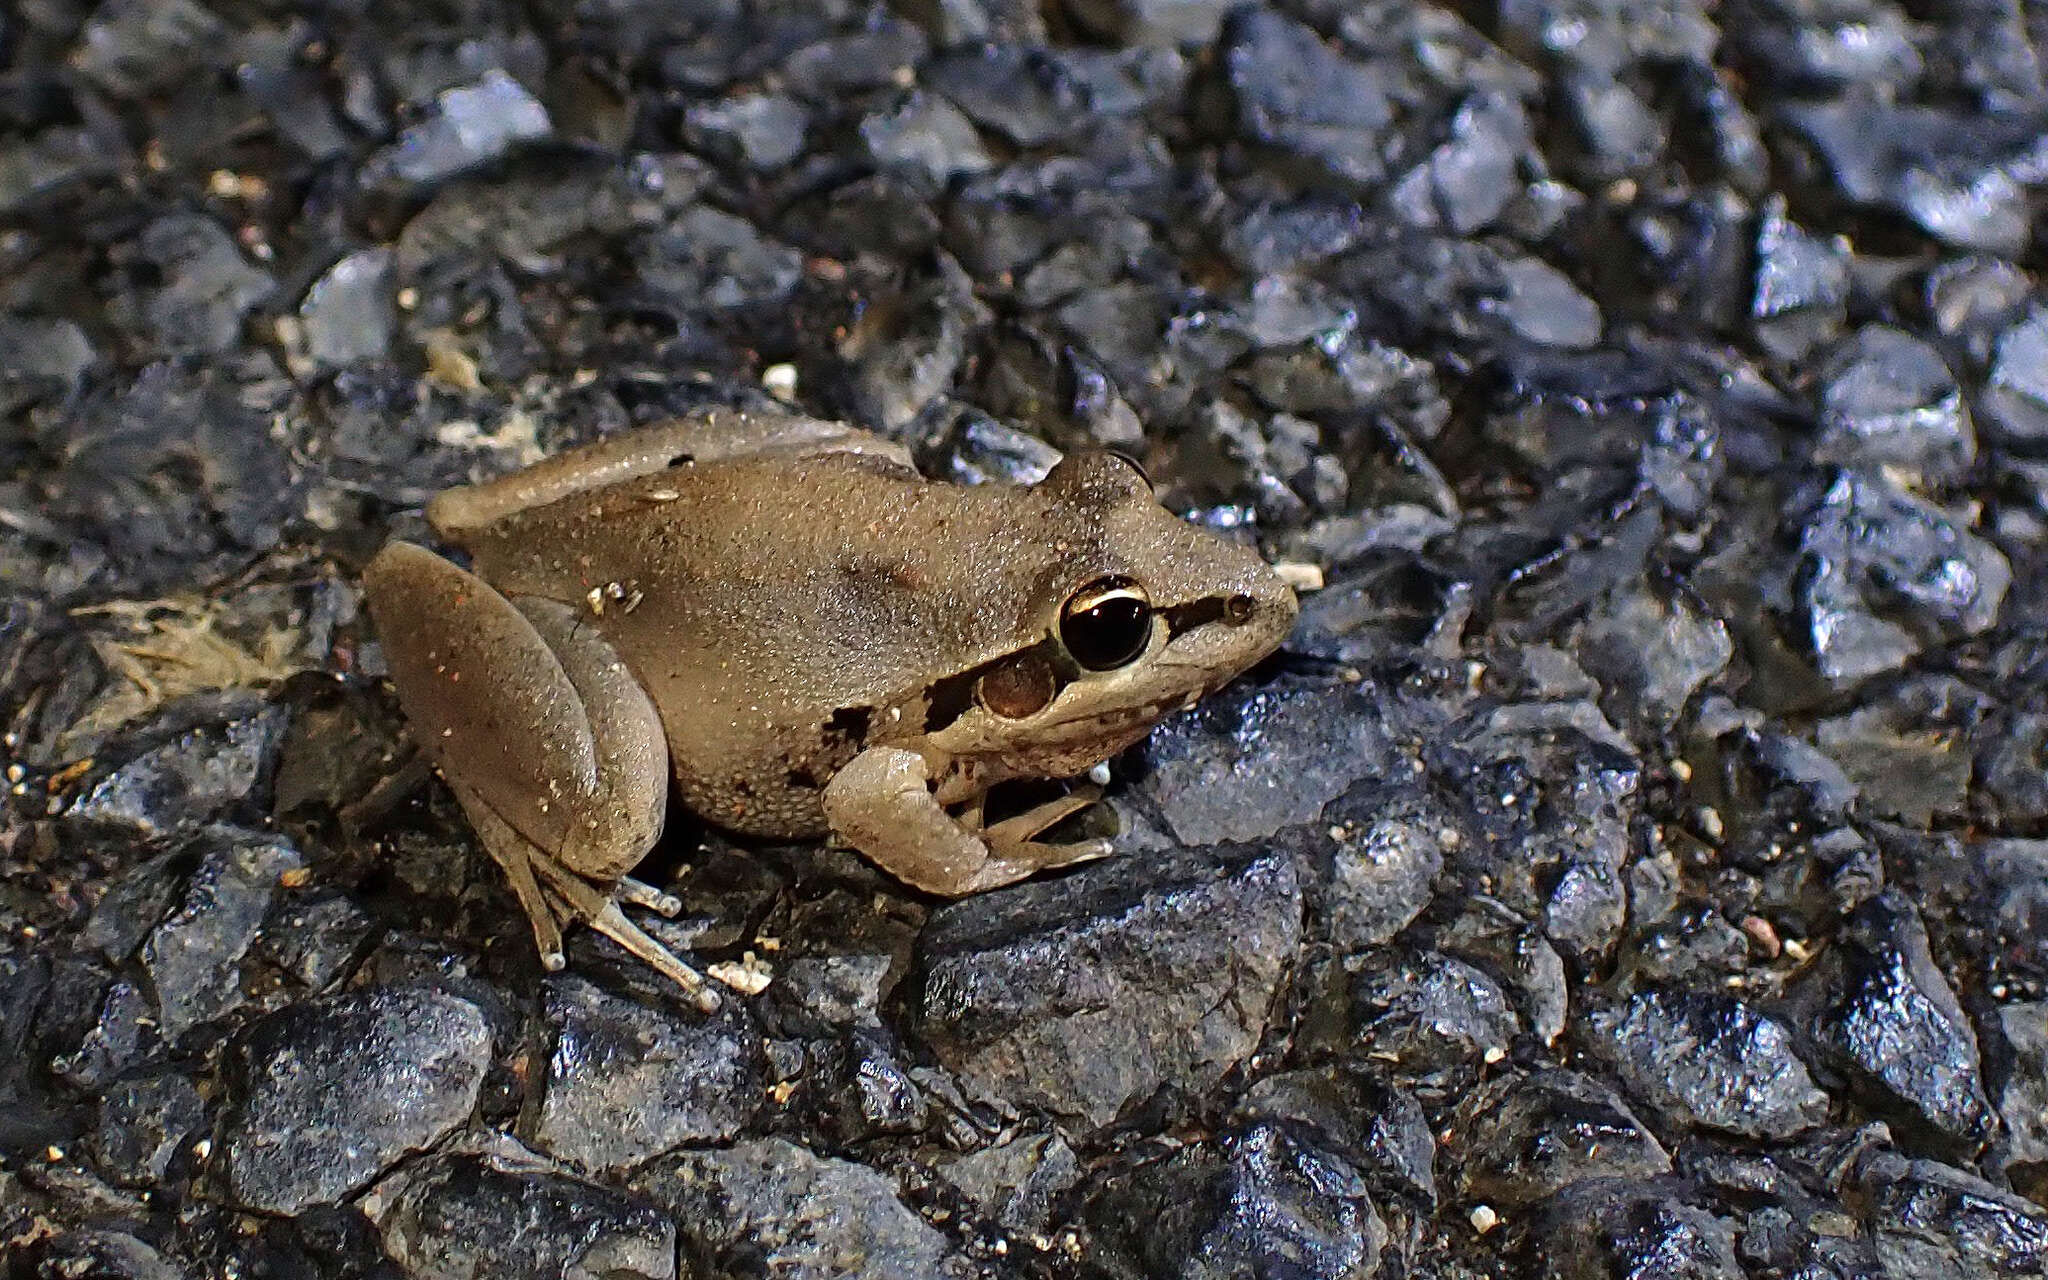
(811, 638)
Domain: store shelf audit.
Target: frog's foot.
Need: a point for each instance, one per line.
(601, 912)
(635, 893)
(553, 896)
(1014, 839)
(514, 855)
(881, 802)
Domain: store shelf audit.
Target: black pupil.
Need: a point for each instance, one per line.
(1107, 634)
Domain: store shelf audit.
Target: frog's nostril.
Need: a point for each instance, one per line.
(1239, 609)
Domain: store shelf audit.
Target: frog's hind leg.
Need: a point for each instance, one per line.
(517, 857)
(550, 744)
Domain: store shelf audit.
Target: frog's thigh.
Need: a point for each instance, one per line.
(525, 710)
(711, 436)
(881, 803)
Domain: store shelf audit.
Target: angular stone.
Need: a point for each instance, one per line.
(770, 1207)
(1895, 1026)
(1262, 1200)
(1018, 1183)
(470, 125)
(627, 1081)
(1889, 399)
(1933, 1220)
(1252, 760)
(142, 1126)
(1086, 993)
(1709, 1060)
(179, 785)
(1618, 1229)
(461, 1217)
(194, 956)
(332, 1092)
(1298, 95)
(1534, 1135)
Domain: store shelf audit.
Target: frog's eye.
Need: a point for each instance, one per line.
(1107, 623)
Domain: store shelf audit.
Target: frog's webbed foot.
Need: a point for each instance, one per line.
(552, 896)
(1015, 839)
(600, 910)
(553, 749)
(881, 802)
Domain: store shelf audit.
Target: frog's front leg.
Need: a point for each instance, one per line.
(882, 804)
(546, 738)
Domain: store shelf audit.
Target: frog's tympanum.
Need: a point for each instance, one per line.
(811, 638)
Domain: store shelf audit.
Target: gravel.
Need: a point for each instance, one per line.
(1633, 865)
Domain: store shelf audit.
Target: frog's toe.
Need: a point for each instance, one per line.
(640, 894)
(613, 924)
(1066, 855)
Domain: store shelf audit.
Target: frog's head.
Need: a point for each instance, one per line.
(1133, 614)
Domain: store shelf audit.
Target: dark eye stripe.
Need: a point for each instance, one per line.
(1183, 618)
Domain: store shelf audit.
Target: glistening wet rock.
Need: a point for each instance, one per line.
(1888, 399)
(1379, 1129)
(1383, 852)
(467, 1216)
(1259, 1200)
(1251, 761)
(330, 1093)
(1538, 1134)
(1709, 1060)
(194, 955)
(2023, 1097)
(1891, 573)
(626, 1081)
(2017, 395)
(1298, 95)
(1802, 284)
(1432, 1014)
(1931, 1219)
(1655, 654)
(183, 782)
(1017, 1183)
(772, 1204)
(349, 314)
(1656, 390)
(1964, 179)
(1895, 1025)
(144, 1124)
(1082, 994)
(1609, 1229)
(468, 126)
